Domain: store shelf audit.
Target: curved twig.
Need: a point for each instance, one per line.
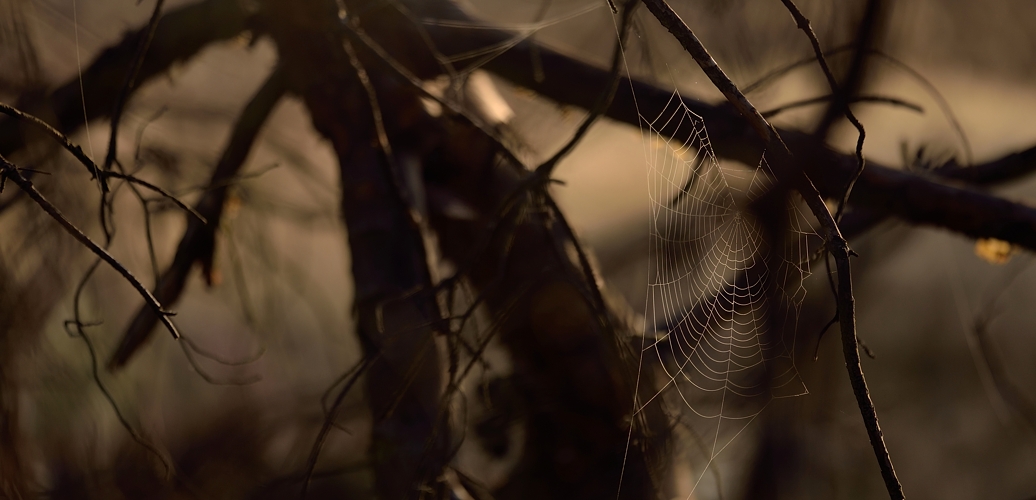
(329, 418)
(839, 100)
(863, 98)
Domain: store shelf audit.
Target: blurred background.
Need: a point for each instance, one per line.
(279, 321)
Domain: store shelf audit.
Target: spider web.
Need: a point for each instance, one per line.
(729, 251)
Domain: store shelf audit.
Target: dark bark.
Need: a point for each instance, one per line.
(199, 240)
(180, 35)
(929, 200)
(397, 314)
(570, 369)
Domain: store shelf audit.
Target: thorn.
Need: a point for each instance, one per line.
(866, 350)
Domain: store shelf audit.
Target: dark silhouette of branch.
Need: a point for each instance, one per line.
(829, 169)
(731, 137)
(1008, 168)
(892, 101)
(841, 96)
(929, 88)
(519, 260)
(178, 36)
(198, 242)
(374, 121)
(784, 167)
(131, 81)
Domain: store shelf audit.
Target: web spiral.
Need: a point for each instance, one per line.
(729, 250)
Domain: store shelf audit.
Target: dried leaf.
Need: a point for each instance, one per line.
(994, 251)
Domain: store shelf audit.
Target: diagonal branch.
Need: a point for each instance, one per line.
(9, 171)
(732, 137)
(784, 167)
(180, 34)
(841, 96)
(77, 152)
(198, 242)
(131, 82)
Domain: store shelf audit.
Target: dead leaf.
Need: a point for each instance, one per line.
(994, 251)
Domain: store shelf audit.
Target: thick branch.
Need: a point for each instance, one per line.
(180, 35)
(144, 44)
(375, 122)
(732, 137)
(198, 242)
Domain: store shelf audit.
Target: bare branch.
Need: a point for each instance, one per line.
(75, 149)
(983, 216)
(782, 162)
(197, 244)
(892, 101)
(840, 97)
(179, 36)
(11, 172)
(131, 82)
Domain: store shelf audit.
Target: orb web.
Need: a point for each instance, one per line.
(729, 250)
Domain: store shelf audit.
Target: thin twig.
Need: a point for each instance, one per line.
(929, 88)
(189, 348)
(839, 100)
(329, 418)
(836, 244)
(863, 98)
(603, 101)
(76, 151)
(85, 160)
(80, 331)
(1011, 394)
(165, 194)
(11, 172)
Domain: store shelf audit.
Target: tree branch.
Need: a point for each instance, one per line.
(10, 171)
(130, 84)
(732, 137)
(785, 169)
(179, 36)
(198, 242)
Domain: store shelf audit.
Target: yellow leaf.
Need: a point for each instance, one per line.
(994, 251)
